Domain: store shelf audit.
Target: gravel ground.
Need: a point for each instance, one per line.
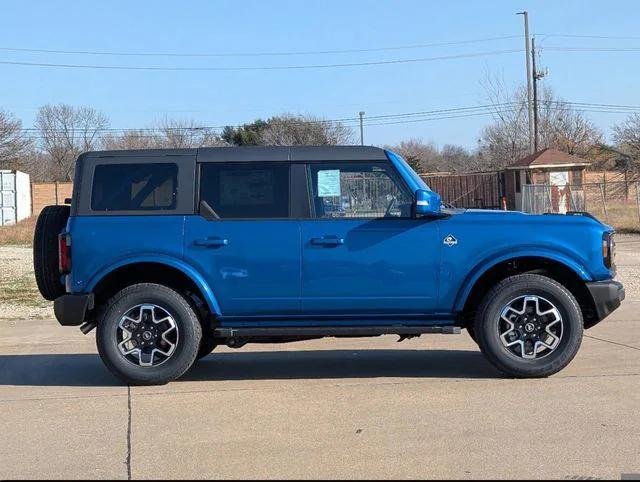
(628, 262)
(19, 296)
(20, 300)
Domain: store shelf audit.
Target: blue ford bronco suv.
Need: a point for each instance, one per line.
(170, 253)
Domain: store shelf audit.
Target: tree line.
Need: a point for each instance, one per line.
(62, 132)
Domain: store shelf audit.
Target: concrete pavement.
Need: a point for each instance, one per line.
(370, 408)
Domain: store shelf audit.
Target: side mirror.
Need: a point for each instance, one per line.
(428, 203)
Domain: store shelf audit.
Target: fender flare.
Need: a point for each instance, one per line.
(169, 261)
(493, 260)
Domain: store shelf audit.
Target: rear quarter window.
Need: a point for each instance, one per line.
(134, 187)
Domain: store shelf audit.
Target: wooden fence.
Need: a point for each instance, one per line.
(46, 193)
(475, 190)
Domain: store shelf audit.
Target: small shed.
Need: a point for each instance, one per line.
(550, 173)
(15, 197)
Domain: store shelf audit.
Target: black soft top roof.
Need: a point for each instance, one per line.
(239, 154)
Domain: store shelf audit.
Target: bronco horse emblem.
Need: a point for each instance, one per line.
(450, 241)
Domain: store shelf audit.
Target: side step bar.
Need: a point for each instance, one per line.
(336, 331)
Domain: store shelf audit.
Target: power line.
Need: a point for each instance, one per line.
(605, 37)
(591, 49)
(257, 68)
(379, 120)
(254, 54)
(349, 120)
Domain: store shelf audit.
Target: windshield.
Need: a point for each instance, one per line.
(408, 170)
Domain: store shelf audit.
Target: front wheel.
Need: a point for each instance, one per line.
(207, 345)
(148, 335)
(529, 326)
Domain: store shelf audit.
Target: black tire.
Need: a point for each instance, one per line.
(487, 326)
(472, 334)
(51, 221)
(186, 320)
(207, 345)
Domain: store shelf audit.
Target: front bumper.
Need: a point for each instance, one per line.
(71, 310)
(607, 297)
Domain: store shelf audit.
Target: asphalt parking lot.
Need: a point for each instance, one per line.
(371, 408)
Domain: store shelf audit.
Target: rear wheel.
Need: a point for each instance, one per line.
(529, 326)
(148, 335)
(51, 221)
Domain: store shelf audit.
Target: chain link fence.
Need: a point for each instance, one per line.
(616, 203)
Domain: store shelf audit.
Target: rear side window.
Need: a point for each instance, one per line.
(134, 187)
(245, 190)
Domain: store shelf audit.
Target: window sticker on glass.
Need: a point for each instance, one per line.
(329, 183)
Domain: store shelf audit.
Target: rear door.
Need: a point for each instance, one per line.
(363, 252)
(244, 240)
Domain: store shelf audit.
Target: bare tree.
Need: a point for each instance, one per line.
(291, 130)
(507, 139)
(13, 144)
(38, 165)
(132, 139)
(560, 126)
(167, 133)
(66, 132)
(426, 158)
(187, 133)
(422, 157)
(627, 137)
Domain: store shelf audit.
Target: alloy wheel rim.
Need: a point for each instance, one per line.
(147, 335)
(530, 327)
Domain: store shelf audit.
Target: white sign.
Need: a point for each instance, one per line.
(329, 183)
(560, 178)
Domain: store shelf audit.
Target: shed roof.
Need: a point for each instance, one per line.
(549, 158)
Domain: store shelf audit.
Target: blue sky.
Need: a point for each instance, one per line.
(136, 98)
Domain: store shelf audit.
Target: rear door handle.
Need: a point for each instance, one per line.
(211, 242)
(327, 241)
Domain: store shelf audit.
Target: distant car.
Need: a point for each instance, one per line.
(170, 253)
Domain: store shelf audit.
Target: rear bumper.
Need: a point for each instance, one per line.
(607, 297)
(71, 310)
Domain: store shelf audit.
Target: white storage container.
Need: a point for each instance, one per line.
(15, 197)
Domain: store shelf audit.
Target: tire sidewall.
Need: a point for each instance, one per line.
(52, 220)
(487, 327)
(187, 323)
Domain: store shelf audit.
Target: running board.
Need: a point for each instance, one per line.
(336, 331)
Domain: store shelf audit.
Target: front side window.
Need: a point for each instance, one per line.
(245, 190)
(134, 187)
(358, 190)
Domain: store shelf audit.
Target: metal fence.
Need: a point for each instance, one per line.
(617, 203)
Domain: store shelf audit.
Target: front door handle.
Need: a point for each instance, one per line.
(211, 242)
(327, 241)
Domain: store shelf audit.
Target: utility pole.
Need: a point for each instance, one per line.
(527, 48)
(361, 128)
(535, 78)
(535, 95)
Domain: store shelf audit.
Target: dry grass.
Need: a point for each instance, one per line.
(624, 218)
(18, 234)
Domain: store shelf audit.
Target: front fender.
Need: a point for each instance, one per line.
(172, 262)
(496, 258)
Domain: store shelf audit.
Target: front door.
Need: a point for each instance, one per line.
(244, 240)
(362, 251)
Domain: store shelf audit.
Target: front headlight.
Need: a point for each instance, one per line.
(609, 249)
